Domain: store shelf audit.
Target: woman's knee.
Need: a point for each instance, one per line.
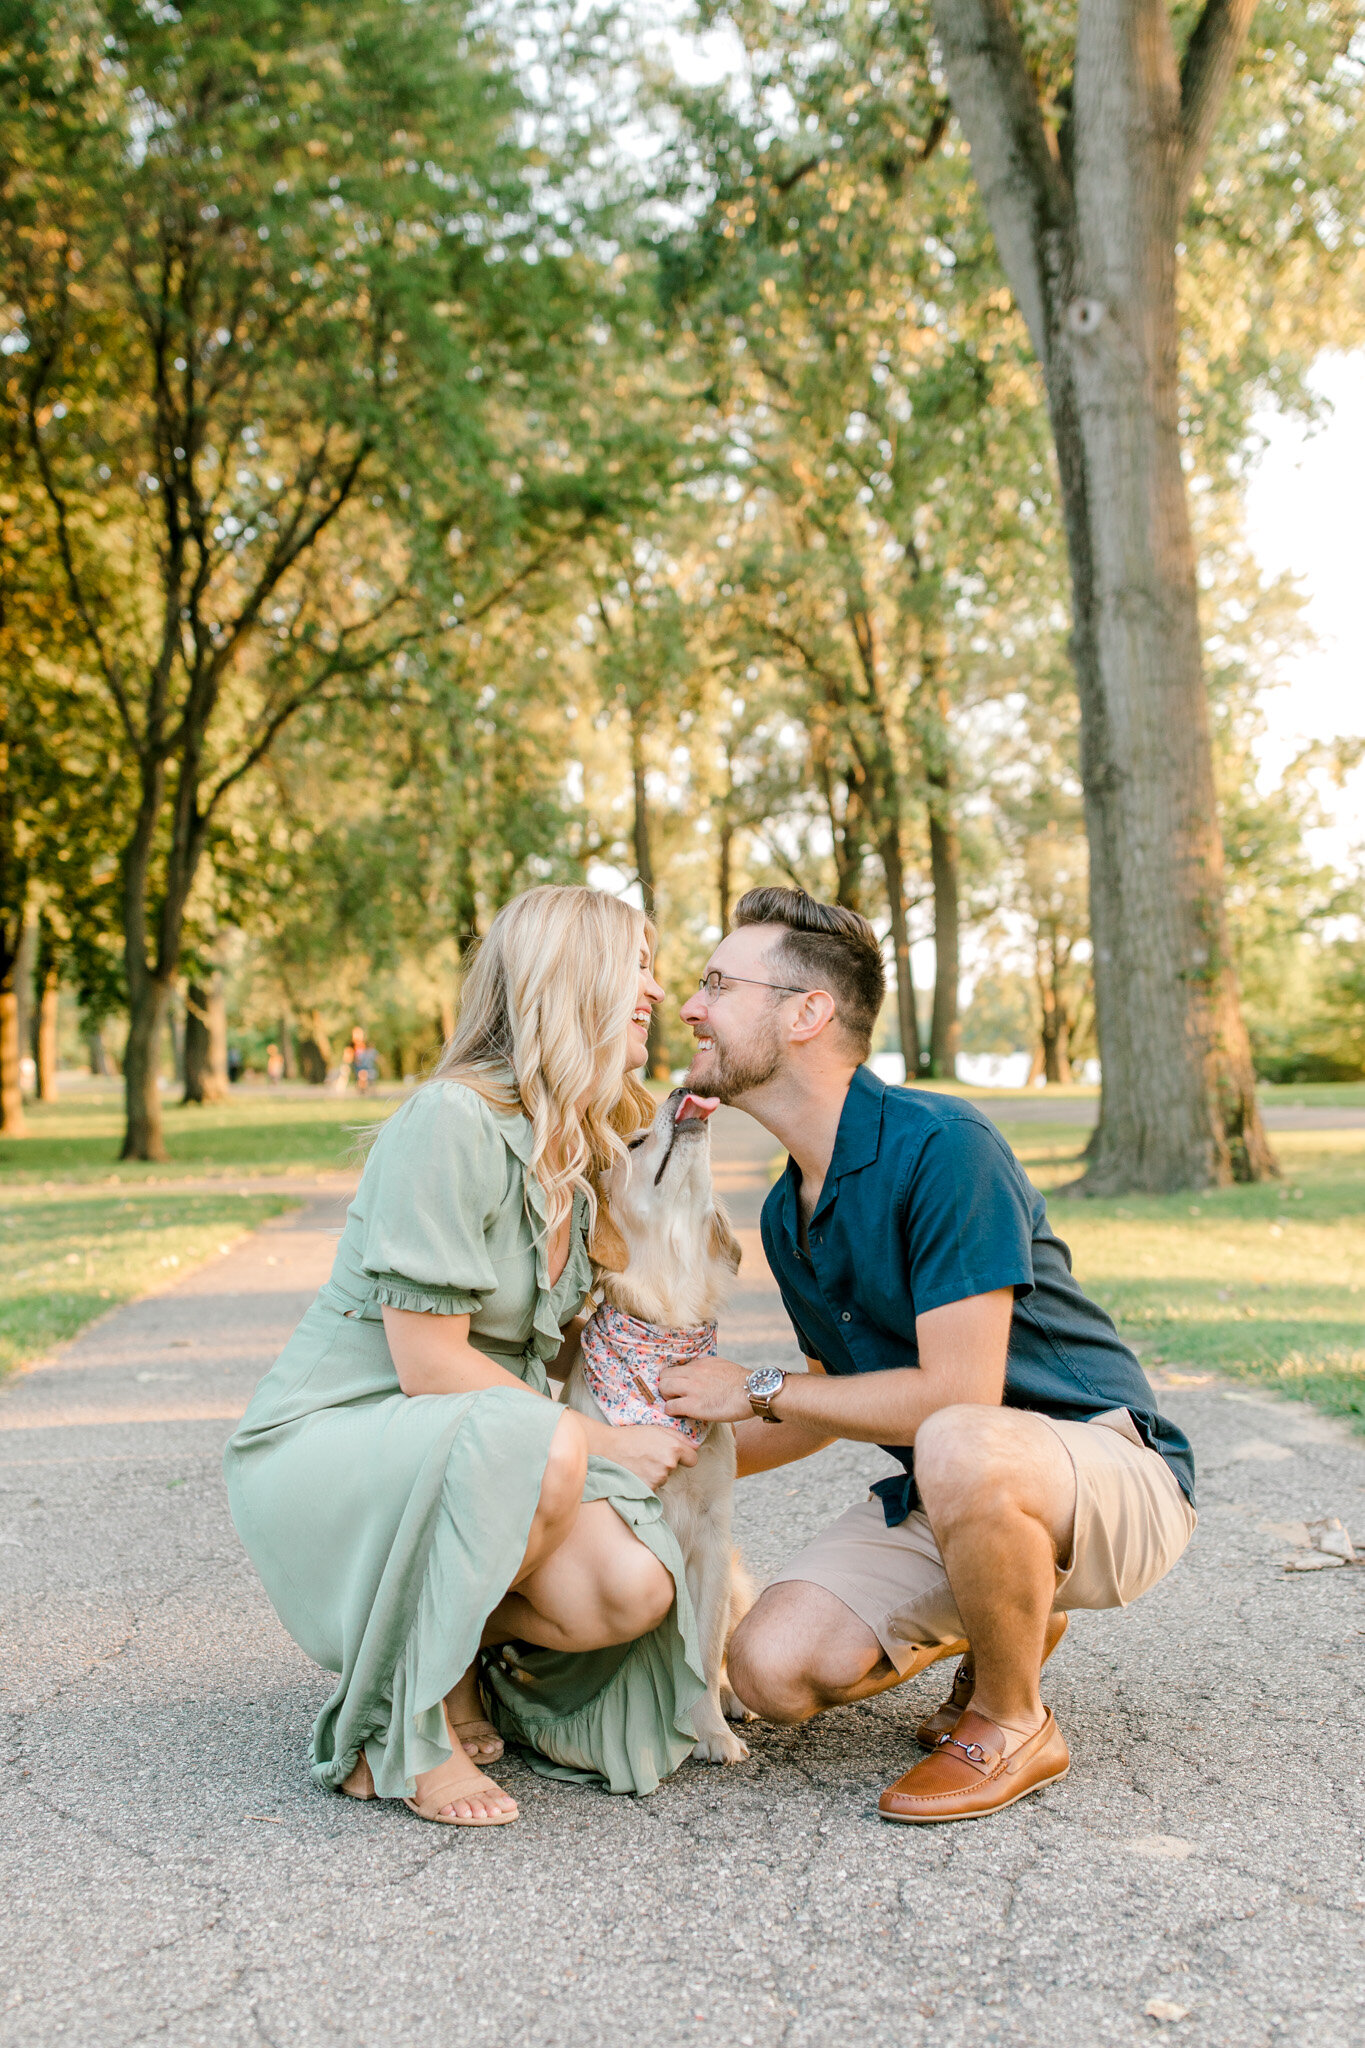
(566, 1468)
(637, 1594)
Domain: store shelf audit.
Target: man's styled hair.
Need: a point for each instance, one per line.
(825, 946)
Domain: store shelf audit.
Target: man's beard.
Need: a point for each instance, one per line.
(733, 1072)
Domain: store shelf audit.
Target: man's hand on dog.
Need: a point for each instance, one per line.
(706, 1390)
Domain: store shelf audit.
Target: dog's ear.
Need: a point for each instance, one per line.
(723, 1242)
(607, 1248)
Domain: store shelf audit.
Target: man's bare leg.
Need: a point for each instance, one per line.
(799, 1651)
(1000, 1493)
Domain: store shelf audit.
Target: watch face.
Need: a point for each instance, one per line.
(766, 1382)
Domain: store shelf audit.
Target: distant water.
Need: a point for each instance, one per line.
(982, 1069)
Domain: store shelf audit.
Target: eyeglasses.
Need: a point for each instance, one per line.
(715, 983)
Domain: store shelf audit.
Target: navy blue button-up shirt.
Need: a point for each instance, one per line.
(923, 1204)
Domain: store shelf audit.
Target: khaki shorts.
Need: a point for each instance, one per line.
(1132, 1523)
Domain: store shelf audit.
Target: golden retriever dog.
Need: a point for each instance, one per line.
(682, 1257)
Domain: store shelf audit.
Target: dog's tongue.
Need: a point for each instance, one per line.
(698, 1107)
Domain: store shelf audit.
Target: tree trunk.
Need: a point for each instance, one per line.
(945, 1033)
(287, 1046)
(656, 1062)
(206, 1069)
(12, 1123)
(24, 966)
(1055, 1036)
(315, 1051)
(143, 1137)
(11, 940)
(45, 1037)
(1089, 245)
(893, 870)
(723, 879)
(465, 904)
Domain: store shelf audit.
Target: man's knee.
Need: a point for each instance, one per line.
(983, 1468)
(963, 1462)
(763, 1673)
(787, 1673)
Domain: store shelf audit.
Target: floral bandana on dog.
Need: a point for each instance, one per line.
(622, 1360)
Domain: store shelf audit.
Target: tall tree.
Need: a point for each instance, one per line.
(262, 260)
(842, 290)
(1086, 157)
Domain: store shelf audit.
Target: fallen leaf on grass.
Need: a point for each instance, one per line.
(1162, 2009)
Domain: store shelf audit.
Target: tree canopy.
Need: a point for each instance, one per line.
(443, 453)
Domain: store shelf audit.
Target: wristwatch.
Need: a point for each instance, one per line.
(763, 1388)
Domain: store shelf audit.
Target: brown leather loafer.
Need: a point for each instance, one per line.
(967, 1774)
(944, 1719)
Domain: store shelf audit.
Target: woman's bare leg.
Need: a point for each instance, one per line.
(470, 1794)
(600, 1585)
(464, 1711)
(561, 1494)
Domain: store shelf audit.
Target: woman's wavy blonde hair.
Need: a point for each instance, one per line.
(542, 1027)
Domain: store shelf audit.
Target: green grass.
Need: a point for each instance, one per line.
(1314, 1095)
(78, 1139)
(1262, 1283)
(82, 1231)
(67, 1256)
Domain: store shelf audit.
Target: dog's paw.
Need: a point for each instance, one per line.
(721, 1749)
(733, 1707)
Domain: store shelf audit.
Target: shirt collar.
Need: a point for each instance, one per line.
(517, 1133)
(856, 1143)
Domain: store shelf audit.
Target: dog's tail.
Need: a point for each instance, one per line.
(743, 1593)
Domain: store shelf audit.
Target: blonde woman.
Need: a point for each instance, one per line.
(408, 1490)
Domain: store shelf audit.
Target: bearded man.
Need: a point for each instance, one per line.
(939, 1316)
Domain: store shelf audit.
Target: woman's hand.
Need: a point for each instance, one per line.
(651, 1452)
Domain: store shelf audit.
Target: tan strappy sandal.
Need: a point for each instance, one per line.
(491, 1746)
(444, 1793)
(360, 1785)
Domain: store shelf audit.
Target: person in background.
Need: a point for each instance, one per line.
(364, 1060)
(274, 1065)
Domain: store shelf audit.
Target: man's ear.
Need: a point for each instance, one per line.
(723, 1242)
(815, 1013)
(607, 1248)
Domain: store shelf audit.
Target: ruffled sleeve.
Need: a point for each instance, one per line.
(432, 1186)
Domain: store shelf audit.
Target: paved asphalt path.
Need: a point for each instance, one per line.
(1044, 1108)
(168, 1874)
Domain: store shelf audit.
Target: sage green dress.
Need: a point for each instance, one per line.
(386, 1527)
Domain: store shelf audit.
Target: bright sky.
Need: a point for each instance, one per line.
(1304, 515)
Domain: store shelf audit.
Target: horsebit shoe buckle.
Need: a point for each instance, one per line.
(973, 1751)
